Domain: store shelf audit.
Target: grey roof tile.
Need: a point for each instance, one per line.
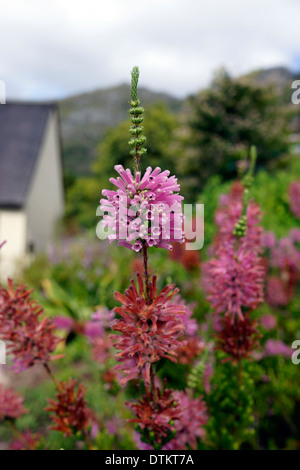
(22, 127)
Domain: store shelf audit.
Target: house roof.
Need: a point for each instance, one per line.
(22, 127)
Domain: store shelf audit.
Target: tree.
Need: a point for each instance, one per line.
(225, 120)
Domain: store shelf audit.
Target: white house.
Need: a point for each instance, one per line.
(31, 181)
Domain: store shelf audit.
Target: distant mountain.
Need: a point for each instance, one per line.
(85, 119)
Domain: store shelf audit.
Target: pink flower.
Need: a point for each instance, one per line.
(189, 425)
(229, 213)
(26, 441)
(268, 321)
(143, 210)
(63, 323)
(101, 321)
(276, 294)
(295, 235)
(192, 344)
(268, 239)
(96, 331)
(11, 404)
(286, 255)
(234, 280)
(294, 194)
(275, 347)
(149, 331)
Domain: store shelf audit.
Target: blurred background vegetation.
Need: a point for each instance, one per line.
(198, 138)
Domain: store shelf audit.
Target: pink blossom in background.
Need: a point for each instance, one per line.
(190, 324)
(275, 347)
(63, 323)
(286, 255)
(268, 239)
(268, 322)
(11, 404)
(294, 195)
(154, 194)
(190, 423)
(276, 294)
(26, 441)
(103, 317)
(97, 331)
(228, 214)
(234, 280)
(295, 235)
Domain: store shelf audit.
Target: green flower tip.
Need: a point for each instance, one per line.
(135, 73)
(136, 111)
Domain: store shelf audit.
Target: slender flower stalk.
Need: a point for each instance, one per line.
(143, 212)
(234, 278)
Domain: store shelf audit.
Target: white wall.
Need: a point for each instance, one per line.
(45, 201)
(13, 230)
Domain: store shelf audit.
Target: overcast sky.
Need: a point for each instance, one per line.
(55, 48)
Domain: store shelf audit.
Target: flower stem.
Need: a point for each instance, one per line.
(146, 273)
(50, 373)
(153, 387)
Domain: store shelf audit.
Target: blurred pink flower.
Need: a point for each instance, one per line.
(26, 441)
(63, 323)
(268, 239)
(234, 280)
(275, 347)
(268, 321)
(11, 404)
(228, 214)
(190, 423)
(276, 294)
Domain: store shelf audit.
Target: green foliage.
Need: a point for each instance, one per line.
(82, 200)
(225, 120)
(230, 403)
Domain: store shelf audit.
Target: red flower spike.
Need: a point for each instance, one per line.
(11, 404)
(30, 339)
(71, 413)
(149, 331)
